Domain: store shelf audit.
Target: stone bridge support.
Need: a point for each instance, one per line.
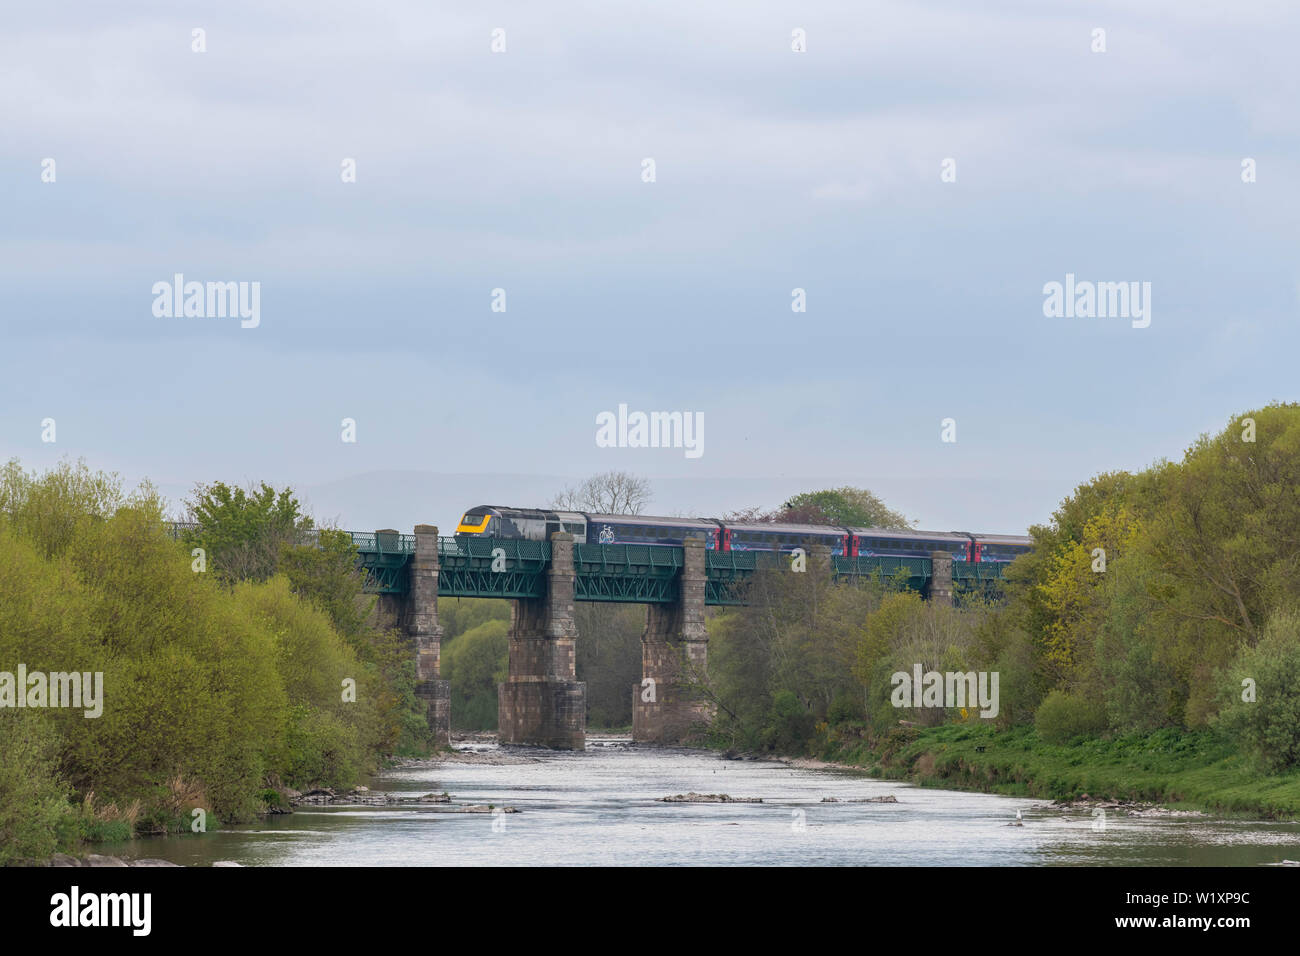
(541, 704)
(674, 654)
(415, 614)
(941, 577)
(426, 634)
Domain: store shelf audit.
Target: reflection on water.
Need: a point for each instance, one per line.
(600, 807)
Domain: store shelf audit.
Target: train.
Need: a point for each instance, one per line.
(538, 524)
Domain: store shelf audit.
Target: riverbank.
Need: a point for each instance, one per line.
(1170, 769)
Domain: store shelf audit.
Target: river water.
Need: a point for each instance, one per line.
(600, 807)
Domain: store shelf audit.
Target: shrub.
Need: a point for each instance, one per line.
(35, 817)
(846, 707)
(1062, 717)
(474, 663)
(788, 725)
(1268, 726)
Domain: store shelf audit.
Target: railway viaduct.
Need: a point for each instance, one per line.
(542, 703)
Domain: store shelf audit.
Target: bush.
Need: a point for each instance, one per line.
(845, 708)
(1062, 717)
(474, 663)
(789, 725)
(211, 690)
(35, 816)
(1268, 726)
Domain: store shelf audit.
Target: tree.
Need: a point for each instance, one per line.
(610, 493)
(53, 508)
(841, 507)
(1229, 531)
(243, 531)
(905, 631)
(326, 574)
(794, 641)
(474, 663)
(1266, 720)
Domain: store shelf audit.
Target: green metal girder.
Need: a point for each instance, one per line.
(383, 556)
(918, 570)
(484, 582)
(633, 573)
(632, 590)
(727, 574)
(384, 578)
(978, 570)
(982, 579)
(465, 567)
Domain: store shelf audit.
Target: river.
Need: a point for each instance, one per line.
(600, 807)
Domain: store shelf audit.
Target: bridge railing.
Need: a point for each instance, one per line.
(514, 549)
(383, 542)
(978, 570)
(887, 566)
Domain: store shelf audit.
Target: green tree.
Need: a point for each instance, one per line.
(474, 663)
(35, 816)
(244, 531)
(845, 507)
(1266, 722)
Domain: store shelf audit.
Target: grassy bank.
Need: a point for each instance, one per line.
(1175, 768)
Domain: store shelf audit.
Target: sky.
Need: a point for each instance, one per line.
(523, 170)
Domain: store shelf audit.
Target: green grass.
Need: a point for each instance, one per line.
(1188, 770)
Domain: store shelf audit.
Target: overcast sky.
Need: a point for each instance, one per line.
(522, 170)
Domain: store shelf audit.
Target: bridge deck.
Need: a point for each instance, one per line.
(639, 574)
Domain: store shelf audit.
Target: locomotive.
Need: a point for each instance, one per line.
(537, 524)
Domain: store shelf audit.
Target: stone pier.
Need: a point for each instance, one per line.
(674, 650)
(941, 577)
(541, 704)
(426, 634)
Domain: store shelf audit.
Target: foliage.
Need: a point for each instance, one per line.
(35, 816)
(1267, 723)
(1143, 603)
(845, 507)
(475, 662)
(609, 659)
(1179, 768)
(798, 636)
(215, 686)
(1062, 717)
(243, 530)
